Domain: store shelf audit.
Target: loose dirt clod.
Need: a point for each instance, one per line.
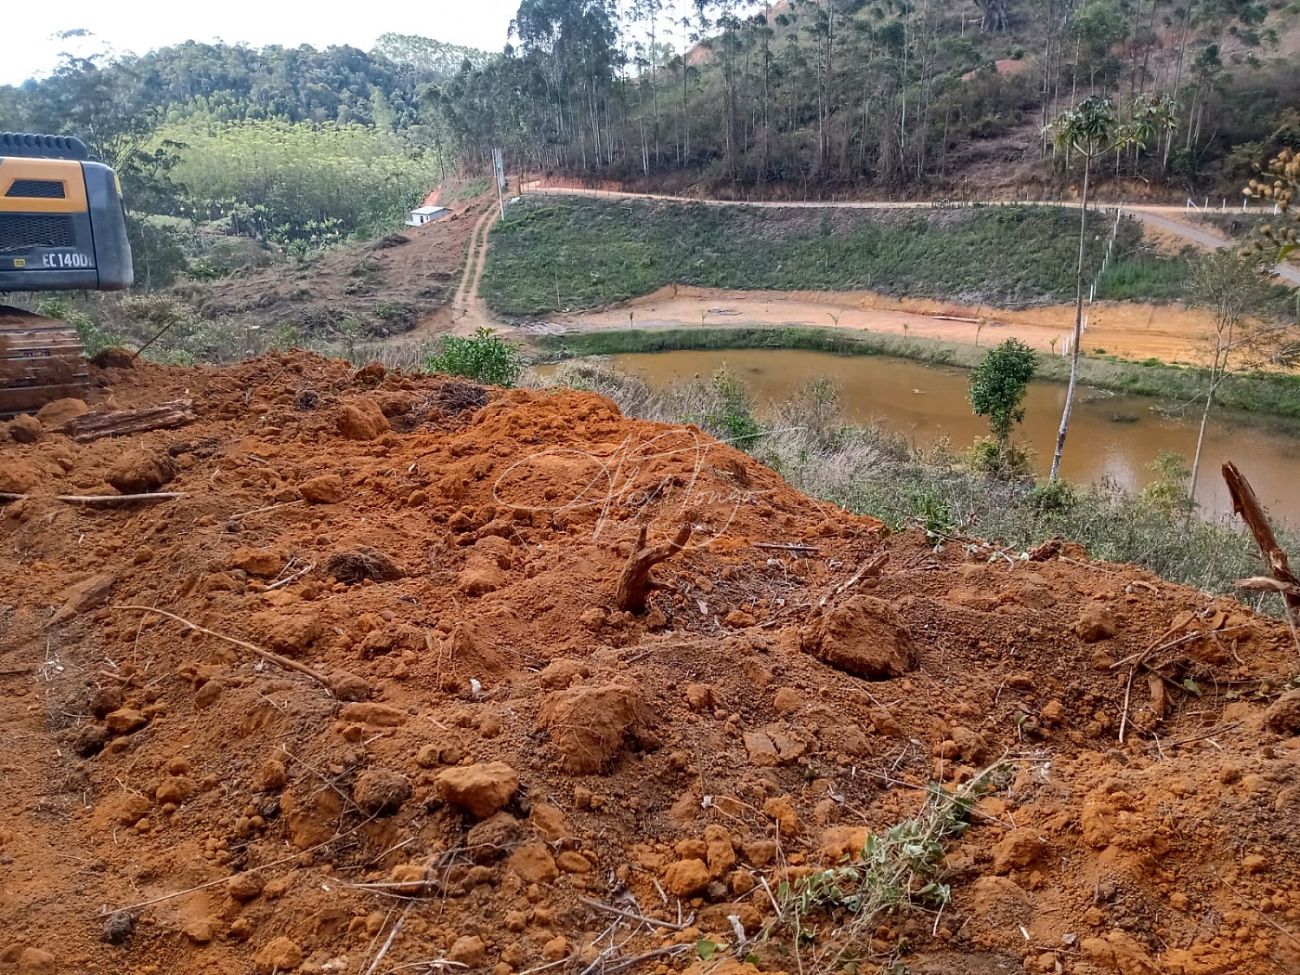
(480, 789)
(862, 636)
(141, 471)
(380, 792)
(363, 563)
(588, 724)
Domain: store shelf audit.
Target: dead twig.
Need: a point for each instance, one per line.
(546, 967)
(1128, 691)
(10, 496)
(278, 659)
(1264, 917)
(388, 942)
(297, 575)
(434, 963)
(871, 567)
(118, 498)
(1245, 504)
(1159, 647)
(787, 546)
(270, 507)
(225, 880)
(631, 916)
(1195, 738)
(626, 963)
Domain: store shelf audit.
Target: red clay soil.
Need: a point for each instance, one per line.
(416, 735)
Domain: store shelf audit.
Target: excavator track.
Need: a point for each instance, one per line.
(41, 359)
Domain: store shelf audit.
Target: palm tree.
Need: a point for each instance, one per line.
(1093, 129)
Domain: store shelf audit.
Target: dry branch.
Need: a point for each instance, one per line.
(278, 659)
(632, 916)
(634, 583)
(118, 498)
(872, 567)
(119, 423)
(1247, 505)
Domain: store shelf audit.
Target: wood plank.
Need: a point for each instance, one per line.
(92, 426)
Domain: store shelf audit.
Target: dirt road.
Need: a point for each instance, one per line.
(1133, 331)
(468, 310)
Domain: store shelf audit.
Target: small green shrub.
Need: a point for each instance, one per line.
(999, 383)
(1053, 497)
(899, 869)
(736, 417)
(1005, 461)
(1167, 494)
(484, 357)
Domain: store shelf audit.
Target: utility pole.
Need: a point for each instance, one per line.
(499, 171)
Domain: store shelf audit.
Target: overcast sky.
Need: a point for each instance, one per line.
(29, 47)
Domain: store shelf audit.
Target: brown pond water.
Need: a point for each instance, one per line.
(1111, 436)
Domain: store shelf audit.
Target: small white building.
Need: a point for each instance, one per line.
(422, 215)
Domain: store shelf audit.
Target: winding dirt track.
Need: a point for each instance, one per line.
(468, 310)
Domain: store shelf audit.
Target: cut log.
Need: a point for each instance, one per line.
(1247, 505)
(120, 423)
(634, 583)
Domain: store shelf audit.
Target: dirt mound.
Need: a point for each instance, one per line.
(367, 704)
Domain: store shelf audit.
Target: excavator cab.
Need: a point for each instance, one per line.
(62, 222)
(62, 228)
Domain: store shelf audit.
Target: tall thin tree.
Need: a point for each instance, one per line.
(1092, 129)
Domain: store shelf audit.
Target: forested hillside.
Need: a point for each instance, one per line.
(225, 149)
(887, 92)
(234, 82)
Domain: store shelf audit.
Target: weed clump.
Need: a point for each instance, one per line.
(484, 357)
(897, 870)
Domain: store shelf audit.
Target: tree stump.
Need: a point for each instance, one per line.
(634, 583)
(1280, 579)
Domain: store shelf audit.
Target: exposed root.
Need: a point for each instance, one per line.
(634, 583)
(278, 659)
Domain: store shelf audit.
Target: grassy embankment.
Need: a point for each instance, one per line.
(1262, 393)
(554, 253)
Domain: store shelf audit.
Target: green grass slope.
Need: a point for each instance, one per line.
(555, 253)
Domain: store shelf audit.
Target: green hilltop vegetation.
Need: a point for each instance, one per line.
(291, 149)
(436, 59)
(571, 253)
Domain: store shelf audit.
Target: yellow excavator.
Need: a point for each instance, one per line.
(62, 228)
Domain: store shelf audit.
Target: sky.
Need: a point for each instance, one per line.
(29, 48)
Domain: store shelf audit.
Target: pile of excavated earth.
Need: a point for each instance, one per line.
(312, 669)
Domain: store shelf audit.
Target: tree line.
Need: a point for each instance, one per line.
(892, 92)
